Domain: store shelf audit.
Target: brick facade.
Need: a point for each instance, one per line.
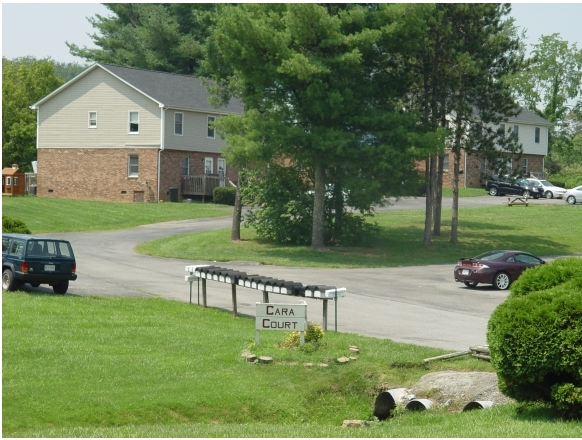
(102, 174)
(98, 174)
(471, 174)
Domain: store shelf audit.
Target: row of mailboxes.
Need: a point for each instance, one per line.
(263, 283)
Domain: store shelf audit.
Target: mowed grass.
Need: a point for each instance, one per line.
(125, 367)
(42, 214)
(543, 230)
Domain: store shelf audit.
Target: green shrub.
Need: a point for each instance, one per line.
(535, 337)
(356, 231)
(313, 336)
(14, 226)
(224, 195)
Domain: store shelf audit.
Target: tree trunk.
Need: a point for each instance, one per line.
(438, 203)
(338, 201)
(318, 209)
(430, 173)
(236, 215)
(457, 153)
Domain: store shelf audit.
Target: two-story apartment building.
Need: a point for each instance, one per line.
(531, 131)
(125, 134)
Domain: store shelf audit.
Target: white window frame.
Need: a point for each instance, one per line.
(502, 128)
(129, 113)
(537, 134)
(525, 166)
(8, 181)
(15, 181)
(185, 165)
(181, 124)
(208, 165)
(446, 162)
(516, 132)
(210, 119)
(221, 163)
(130, 173)
(89, 119)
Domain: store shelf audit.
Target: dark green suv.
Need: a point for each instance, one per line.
(36, 261)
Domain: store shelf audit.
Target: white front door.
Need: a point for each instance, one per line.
(222, 170)
(208, 165)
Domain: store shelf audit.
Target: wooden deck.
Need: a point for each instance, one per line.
(199, 185)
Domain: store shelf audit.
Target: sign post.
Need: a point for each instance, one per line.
(285, 317)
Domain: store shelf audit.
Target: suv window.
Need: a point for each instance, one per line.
(49, 248)
(17, 248)
(5, 243)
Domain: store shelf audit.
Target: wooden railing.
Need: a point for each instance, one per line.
(199, 185)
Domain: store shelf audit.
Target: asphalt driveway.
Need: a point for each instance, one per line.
(420, 305)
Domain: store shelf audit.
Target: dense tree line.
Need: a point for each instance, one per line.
(351, 95)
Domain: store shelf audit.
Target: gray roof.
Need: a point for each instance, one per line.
(528, 117)
(172, 90)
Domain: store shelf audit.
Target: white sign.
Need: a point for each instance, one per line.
(286, 317)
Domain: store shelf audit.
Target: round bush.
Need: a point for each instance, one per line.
(313, 335)
(14, 226)
(535, 337)
(224, 195)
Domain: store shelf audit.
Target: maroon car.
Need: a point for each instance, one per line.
(500, 268)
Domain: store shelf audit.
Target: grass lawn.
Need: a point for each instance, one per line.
(42, 214)
(125, 367)
(540, 229)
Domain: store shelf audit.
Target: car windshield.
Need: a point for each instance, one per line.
(546, 183)
(489, 256)
(536, 183)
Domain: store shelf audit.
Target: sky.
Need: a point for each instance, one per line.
(41, 29)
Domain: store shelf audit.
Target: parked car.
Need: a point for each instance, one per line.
(500, 268)
(550, 190)
(36, 261)
(574, 195)
(518, 186)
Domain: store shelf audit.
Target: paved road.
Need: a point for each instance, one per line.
(420, 305)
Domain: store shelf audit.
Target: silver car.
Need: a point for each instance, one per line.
(550, 190)
(573, 195)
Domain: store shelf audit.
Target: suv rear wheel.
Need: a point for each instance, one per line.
(61, 287)
(8, 280)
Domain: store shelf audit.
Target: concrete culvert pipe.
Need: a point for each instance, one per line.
(386, 402)
(478, 404)
(419, 404)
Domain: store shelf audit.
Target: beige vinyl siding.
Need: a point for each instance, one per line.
(527, 139)
(63, 118)
(194, 133)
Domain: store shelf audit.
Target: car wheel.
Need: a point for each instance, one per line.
(8, 280)
(492, 191)
(526, 193)
(61, 287)
(549, 195)
(501, 281)
(471, 283)
(571, 200)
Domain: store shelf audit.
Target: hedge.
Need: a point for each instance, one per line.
(15, 226)
(224, 195)
(535, 337)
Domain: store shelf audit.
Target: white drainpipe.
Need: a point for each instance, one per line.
(162, 130)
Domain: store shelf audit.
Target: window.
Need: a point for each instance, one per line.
(134, 122)
(446, 162)
(208, 165)
(92, 119)
(537, 135)
(17, 248)
(15, 181)
(132, 165)
(8, 180)
(211, 120)
(178, 123)
(5, 242)
(185, 166)
(516, 131)
(502, 128)
(524, 166)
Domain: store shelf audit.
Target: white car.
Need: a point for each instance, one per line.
(573, 195)
(550, 190)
